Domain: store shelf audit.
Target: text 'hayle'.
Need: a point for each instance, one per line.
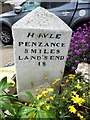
(44, 35)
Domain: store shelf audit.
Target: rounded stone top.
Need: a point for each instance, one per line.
(40, 18)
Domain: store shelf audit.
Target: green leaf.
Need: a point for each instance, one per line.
(50, 114)
(30, 95)
(4, 80)
(36, 115)
(27, 108)
(31, 114)
(8, 107)
(53, 107)
(43, 114)
(4, 85)
(2, 114)
(8, 96)
(26, 111)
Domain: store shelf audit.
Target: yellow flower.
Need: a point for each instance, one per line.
(51, 98)
(54, 83)
(66, 90)
(45, 88)
(36, 90)
(41, 103)
(74, 92)
(11, 81)
(77, 100)
(63, 85)
(45, 78)
(44, 93)
(31, 105)
(72, 109)
(78, 86)
(48, 99)
(40, 86)
(56, 80)
(38, 97)
(89, 92)
(71, 76)
(83, 118)
(63, 97)
(80, 116)
(50, 89)
(67, 80)
(48, 107)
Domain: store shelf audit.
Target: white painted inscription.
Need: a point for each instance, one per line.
(41, 42)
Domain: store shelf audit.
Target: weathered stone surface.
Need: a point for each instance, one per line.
(41, 42)
(83, 69)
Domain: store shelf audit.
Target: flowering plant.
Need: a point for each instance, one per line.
(71, 102)
(74, 100)
(79, 50)
(39, 107)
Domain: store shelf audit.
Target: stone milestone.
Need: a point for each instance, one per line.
(41, 42)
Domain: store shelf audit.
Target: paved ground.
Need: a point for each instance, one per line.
(6, 54)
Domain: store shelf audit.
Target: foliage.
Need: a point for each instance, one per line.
(6, 100)
(3, 98)
(79, 50)
(73, 101)
(40, 107)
